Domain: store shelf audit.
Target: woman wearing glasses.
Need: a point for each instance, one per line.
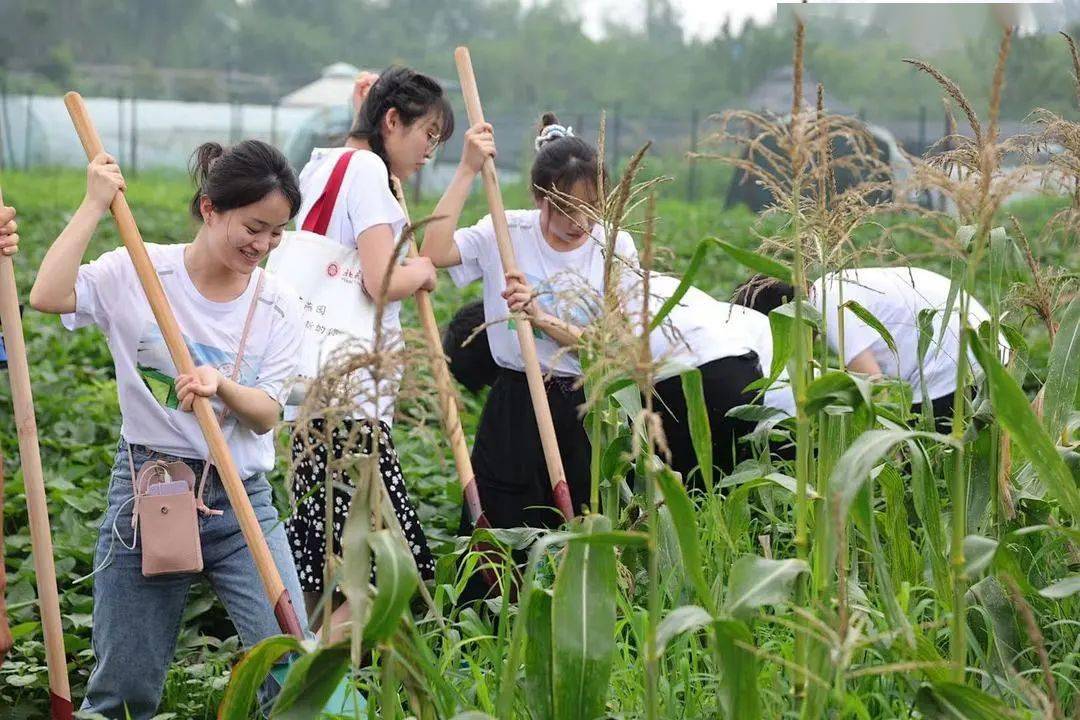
(402, 119)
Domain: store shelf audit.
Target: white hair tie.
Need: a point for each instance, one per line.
(552, 132)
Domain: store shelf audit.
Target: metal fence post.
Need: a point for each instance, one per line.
(27, 139)
(5, 127)
(7, 121)
(133, 154)
(120, 128)
(691, 176)
(233, 120)
(922, 129)
(615, 133)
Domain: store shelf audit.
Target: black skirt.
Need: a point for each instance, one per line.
(306, 527)
(942, 408)
(724, 382)
(508, 458)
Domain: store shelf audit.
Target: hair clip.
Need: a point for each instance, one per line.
(552, 132)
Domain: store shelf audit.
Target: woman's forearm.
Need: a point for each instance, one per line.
(251, 406)
(439, 242)
(405, 280)
(558, 330)
(54, 286)
(865, 363)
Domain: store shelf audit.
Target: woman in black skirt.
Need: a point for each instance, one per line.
(560, 255)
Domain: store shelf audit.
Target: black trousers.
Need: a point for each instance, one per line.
(508, 458)
(724, 382)
(943, 410)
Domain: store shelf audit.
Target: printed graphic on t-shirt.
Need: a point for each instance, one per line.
(158, 373)
(511, 323)
(568, 296)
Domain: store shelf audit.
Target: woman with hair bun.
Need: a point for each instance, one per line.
(242, 326)
(560, 255)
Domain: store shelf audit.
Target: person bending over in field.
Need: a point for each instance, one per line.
(729, 344)
(895, 296)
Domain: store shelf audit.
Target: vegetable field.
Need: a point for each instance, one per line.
(882, 570)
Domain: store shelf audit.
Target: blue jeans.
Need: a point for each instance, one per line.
(137, 619)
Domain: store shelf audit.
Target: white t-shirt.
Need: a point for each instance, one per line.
(569, 284)
(701, 329)
(896, 296)
(364, 201)
(108, 294)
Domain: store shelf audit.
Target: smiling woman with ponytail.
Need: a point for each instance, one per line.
(242, 327)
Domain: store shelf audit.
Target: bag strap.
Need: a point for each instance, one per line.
(247, 324)
(318, 218)
(199, 504)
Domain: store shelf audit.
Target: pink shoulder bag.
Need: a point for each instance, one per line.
(166, 505)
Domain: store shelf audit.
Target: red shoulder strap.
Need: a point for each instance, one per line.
(318, 218)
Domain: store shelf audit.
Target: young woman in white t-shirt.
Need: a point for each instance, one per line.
(246, 196)
(560, 256)
(402, 119)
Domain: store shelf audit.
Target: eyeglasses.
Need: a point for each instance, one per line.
(433, 140)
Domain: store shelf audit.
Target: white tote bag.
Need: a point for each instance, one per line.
(326, 275)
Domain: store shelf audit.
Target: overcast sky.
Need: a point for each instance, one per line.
(703, 18)
(700, 18)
